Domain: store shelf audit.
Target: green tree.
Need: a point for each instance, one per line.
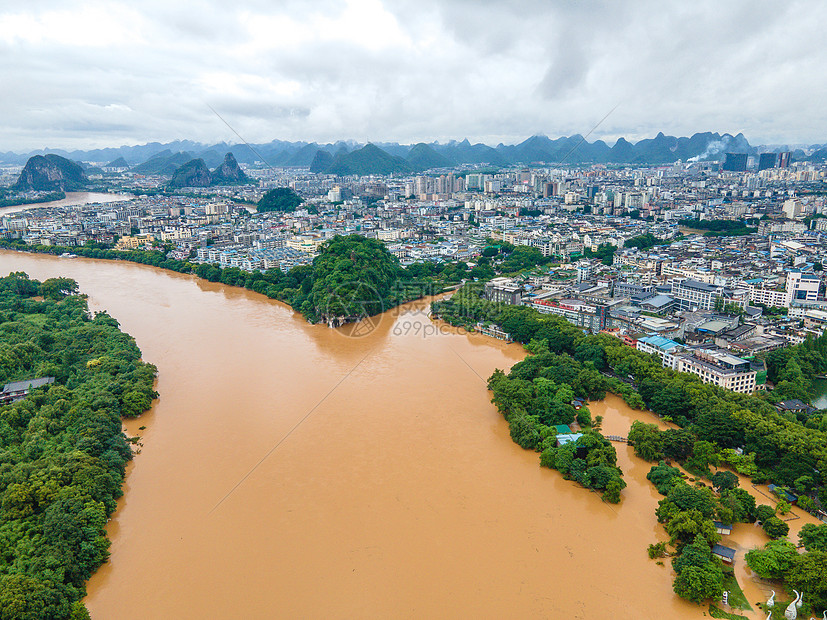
(647, 441)
(525, 431)
(764, 512)
(724, 480)
(775, 527)
(809, 574)
(687, 497)
(740, 504)
(773, 560)
(58, 288)
(813, 537)
(697, 584)
(664, 477)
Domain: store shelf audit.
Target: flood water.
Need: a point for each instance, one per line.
(819, 393)
(72, 198)
(290, 471)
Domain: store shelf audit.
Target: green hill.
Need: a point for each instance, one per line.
(118, 163)
(50, 173)
(353, 277)
(424, 157)
(194, 173)
(229, 173)
(370, 159)
(281, 199)
(322, 161)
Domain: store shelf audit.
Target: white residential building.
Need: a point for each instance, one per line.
(720, 368)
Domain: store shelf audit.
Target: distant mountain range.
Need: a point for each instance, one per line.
(383, 158)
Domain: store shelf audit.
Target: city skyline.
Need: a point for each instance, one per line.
(108, 74)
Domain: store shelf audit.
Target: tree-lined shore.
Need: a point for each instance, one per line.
(63, 454)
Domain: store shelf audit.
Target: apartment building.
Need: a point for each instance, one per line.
(504, 290)
(802, 287)
(719, 368)
(696, 295)
(588, 316)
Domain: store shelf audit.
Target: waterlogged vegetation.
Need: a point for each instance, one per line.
(688, 512)
(536, 397)
(717, 429)
(805, 572)
(62, 452)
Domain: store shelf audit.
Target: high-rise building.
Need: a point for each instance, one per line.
(767, 161)
(784, 159)
(801, 287)
(792, 209)
(735, 162)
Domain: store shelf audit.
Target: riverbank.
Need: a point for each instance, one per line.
(70, 199)
(618, 419)
(63, 452)
(382, 284)
(50, 197)
(403, 473)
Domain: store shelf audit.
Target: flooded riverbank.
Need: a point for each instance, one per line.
(618, 419)
(289, 471)
(72, 198)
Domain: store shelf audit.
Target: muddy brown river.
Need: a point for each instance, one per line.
(289, 471)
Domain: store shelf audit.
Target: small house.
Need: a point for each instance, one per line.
(562, 440)
(795, 406)
(17, 390)
(725, 554)
(562, 429)
(725, 529)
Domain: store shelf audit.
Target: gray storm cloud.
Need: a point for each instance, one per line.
(78, 75)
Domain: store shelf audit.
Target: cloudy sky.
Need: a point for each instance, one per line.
(78, 74)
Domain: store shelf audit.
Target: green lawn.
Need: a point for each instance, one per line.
(737, 600)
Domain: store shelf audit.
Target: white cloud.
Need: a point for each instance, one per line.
(107, 73)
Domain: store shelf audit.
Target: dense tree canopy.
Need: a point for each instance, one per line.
(282, 199)
(62, 452)
(536, 396)
(813, 537)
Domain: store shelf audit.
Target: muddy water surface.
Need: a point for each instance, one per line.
(72, 198)
(289, 471)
